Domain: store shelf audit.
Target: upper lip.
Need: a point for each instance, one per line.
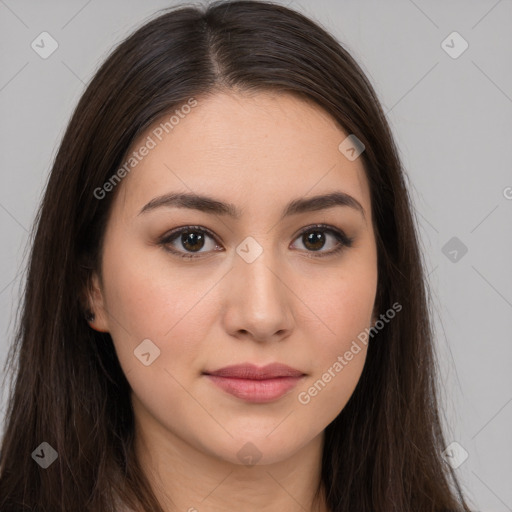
(253, 372)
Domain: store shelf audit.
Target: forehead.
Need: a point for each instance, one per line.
(254, 149)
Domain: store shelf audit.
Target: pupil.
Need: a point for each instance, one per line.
(316, 238)
(192, 239)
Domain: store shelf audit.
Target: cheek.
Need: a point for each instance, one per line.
(338, 357)
(328, 390)
(344, 305)
(154, 300)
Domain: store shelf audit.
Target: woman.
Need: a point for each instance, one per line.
(226, 305)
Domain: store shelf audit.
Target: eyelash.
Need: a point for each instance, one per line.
(343, 240)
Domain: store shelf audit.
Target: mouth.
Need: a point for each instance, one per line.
(256, 384)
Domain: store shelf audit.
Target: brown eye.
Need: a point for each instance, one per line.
(192, 241)
(189, 240)
(315, 238)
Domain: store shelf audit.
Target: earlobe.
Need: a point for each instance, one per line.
(374, 318)
(96, 314)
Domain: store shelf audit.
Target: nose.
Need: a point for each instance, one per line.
(258, 300)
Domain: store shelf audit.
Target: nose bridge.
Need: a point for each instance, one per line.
(256, 295)
(256, 266)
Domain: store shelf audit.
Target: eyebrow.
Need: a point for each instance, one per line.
(211, 205)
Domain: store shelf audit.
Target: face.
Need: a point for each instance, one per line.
(256, 282)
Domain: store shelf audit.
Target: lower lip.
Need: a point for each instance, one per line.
(257, 391)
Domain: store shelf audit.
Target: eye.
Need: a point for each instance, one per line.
(191, 238)
(314, 238)
(194, 238)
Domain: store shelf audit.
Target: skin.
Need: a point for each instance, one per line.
(259, 152)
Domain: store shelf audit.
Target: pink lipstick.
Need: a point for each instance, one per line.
(256, 384)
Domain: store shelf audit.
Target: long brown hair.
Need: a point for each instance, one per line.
(383, 452)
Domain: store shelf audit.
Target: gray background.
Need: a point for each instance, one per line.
(452, 121)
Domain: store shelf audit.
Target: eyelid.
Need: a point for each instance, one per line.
(168, 237)
(344, 241)
(169, 234)
(337, 232)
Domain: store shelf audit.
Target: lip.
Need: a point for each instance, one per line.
(256, 384)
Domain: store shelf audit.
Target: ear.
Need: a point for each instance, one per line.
(374, 314)
(96, 305)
